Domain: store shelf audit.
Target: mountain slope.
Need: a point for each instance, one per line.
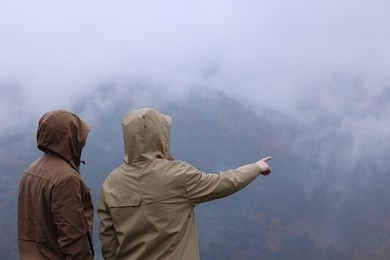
(304, 210)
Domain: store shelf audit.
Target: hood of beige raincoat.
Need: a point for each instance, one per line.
(146, 134)
(63, 133)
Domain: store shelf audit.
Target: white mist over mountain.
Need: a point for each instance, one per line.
(324, 63)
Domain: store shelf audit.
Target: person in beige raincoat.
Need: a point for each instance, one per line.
(146, 205)
(55, 211)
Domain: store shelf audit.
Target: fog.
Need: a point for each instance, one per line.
(322, 64)
(325, 63)
(279, 54)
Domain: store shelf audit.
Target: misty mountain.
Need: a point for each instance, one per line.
(306, 209)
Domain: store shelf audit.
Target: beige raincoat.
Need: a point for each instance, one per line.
(55, 212)
(146, 205)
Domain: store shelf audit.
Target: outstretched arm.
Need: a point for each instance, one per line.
(202, 187)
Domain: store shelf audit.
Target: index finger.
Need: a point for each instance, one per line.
(266, 158)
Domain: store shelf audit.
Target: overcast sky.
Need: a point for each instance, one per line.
(310, 59)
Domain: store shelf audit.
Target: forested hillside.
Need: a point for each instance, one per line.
(306, 209)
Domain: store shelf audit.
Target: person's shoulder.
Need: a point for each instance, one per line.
(183, 167)
(179, 162)
(51, 169)
(117, 174)
(176, 164)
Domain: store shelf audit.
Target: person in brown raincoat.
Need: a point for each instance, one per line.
(146, 205)
(55, 211)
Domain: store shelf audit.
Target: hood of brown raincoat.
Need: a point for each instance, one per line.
(63, 133)
(146, 134)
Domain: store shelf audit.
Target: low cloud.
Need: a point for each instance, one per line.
(324, 63)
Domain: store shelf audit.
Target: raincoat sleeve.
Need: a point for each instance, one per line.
(107, 235)
(202, 187)
(67, 208)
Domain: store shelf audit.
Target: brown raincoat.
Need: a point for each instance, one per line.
(55, 212)
(146, 205)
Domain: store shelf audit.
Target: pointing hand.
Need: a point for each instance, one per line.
(265, 169)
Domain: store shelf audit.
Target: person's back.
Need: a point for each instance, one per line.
(55, 211)
(150, 211)
(147, 204)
